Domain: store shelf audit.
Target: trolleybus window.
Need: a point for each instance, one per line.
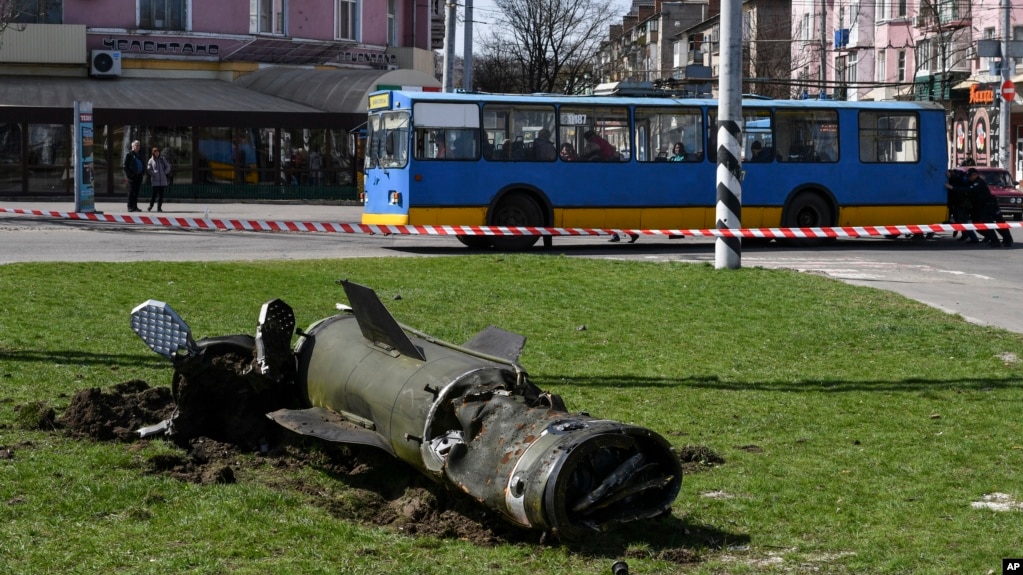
(807, 135)
(889, 137)
(446, 131)
(387, 134)
(659, 129)
(597, 133)
(513, 133)
(758, 138)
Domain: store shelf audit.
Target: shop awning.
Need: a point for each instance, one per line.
(152, 102)
(340, 91)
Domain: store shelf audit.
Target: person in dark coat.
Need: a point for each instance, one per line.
(984, 209)
(959, 203)
(134, 170)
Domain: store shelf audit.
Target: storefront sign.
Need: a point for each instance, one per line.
(171, 46)
(980, 95)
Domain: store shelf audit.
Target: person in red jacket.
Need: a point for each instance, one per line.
(597, 148)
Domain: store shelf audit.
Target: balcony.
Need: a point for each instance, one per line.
(944, 15)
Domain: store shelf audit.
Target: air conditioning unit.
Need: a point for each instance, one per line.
(105, 63)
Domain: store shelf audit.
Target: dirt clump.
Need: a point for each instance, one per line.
(696, 458)
(118, 413)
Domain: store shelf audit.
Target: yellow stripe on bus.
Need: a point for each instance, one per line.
(702, 217)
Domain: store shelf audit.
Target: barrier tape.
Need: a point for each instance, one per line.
(340, 228)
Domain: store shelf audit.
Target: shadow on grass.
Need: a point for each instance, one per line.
(713, 382)
(142, 358)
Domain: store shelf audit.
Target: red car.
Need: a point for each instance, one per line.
(1003, 187)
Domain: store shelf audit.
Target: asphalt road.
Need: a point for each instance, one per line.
(982, 284)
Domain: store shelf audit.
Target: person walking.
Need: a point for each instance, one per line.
(985, 209)
(158, 169)
(134, 170)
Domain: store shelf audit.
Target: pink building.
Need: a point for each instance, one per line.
(258, 95)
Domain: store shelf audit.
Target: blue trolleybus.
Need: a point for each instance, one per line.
(645, 163)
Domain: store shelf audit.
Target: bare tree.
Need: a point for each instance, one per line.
(495, 72)
(14, 14)
(943, 46)
(767, 52)
(550, 44)
(7, 11)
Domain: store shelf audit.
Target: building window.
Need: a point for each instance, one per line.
(1017, 34)
(162, 14)
(38, 12)
(882, 65)
(902, 66)
(924, 56)
(268, 16)
(347, 18)
(901, 9)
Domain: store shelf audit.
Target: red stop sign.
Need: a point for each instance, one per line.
(1008, 90)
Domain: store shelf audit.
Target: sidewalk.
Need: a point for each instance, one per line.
(291, 212)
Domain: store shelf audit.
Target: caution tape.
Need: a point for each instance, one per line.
(218, 224)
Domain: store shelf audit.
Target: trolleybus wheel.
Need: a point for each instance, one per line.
(516, 210)
(807, 211)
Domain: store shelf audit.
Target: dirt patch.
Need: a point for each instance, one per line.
(696, 458)
(222, 435)
(116, 414)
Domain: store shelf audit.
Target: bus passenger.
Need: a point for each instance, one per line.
(568, 153)
(597, 148)
(828, 152)
(543, 148)
(678, 153)
(755, 150)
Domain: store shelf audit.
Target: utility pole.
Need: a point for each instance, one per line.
(824, 49)
(1004, 117)
(448, 77)
(728, 251)
(467, 57)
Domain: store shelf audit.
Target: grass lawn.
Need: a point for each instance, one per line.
(857, 427)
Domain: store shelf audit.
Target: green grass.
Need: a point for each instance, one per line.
(857, 426)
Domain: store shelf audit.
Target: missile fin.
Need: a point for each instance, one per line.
(377, 324)
(496, 341)
(329, 426)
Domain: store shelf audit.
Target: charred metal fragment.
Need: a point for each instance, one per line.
(465, 416)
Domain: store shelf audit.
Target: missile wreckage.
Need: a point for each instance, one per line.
(466, 416)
